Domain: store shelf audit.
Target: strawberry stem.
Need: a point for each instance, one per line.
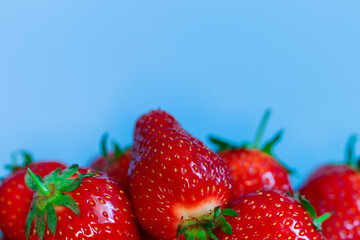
(261, 128)
(42, 188)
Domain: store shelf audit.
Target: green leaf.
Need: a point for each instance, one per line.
(221, 143)
(40, 224)
(212, 235)
(261, 128)
(36, 179)
(350, 150)
(27, 159)
(202, 227)
(178, 232)
(229, 212)
(225, 226)
(117, 150)
(72, 185)
(247, 145)
(201, 235)
(183, 230)
(217, 212)
(30, 183)
(53, 176)
(51, 218)
(91, 174)
(207, 223)
(70, 171)
(67, 201)
(103, 144)
(271, 143)
(318, 221)
(307, 205)
(32, 213)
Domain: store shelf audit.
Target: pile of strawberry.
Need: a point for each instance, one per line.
(169, 185)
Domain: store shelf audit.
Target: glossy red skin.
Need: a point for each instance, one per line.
(252, 169)
(105, 213)
(336, 189)
(171, 171)
(117, 169)
(270, 215)
(16, 197)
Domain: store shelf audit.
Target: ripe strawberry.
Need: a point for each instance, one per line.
(79, 204)
(272, 214)
(15, 197)
(336, 188)
(176, 182)
(115, 164)
(253, 167)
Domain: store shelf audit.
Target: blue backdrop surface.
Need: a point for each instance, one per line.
(71, 70)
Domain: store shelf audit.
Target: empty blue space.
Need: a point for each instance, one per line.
(72, 70)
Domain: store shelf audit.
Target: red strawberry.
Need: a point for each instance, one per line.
(176, 182)
(336, 188)
(253, 167)
(273, 215)
(115, 164)
(15, 197)
(79, 204)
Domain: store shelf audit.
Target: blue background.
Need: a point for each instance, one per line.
(71, 70)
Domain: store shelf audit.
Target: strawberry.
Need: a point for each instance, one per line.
(79, 204)
(115, 164)
(272, 214)
(175, 181)
(253, 167)
(15, 197)
(336, 188)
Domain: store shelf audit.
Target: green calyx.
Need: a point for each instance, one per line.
(268, 146)
(350, 157)
(201, 228)
(51, 191)
(223, 144)
(118, 151)
(14, 166)
(317, 221)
